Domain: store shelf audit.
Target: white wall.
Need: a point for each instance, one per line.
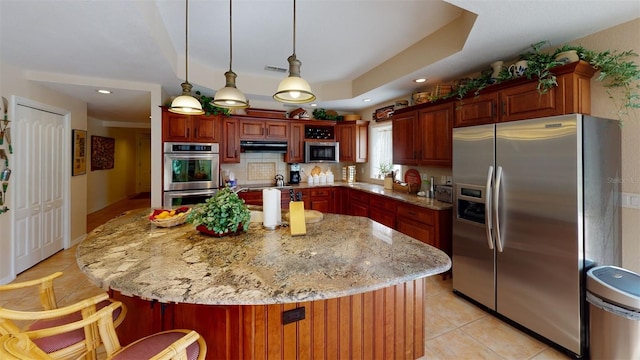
(14, 84)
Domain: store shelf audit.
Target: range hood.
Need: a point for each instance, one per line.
(263, 146)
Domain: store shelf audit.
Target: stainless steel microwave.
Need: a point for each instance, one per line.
(325, 151)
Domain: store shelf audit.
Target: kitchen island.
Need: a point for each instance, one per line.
(350, 287)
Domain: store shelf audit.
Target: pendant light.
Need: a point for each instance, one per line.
(294, 89)
(229, 96)
(186, 104)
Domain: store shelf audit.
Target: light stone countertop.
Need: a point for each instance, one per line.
(341, 255)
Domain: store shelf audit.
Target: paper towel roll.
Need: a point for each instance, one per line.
(270, 208)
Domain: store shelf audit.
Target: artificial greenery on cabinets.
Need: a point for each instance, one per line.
(618, 72)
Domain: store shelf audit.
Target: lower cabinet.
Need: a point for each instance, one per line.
(358, 203)
(432, 227)
(321, 199)
(383, 210)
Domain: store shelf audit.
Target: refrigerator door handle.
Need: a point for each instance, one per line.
(487, 207)
(496, 203)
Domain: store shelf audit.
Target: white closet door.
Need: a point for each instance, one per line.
(38, 200)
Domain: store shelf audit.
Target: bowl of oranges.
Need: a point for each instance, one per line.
(169, 218)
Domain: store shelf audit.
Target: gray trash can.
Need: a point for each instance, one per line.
(614, 313)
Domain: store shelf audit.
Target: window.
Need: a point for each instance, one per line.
(381, 149)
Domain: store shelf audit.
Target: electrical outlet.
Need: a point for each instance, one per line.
(293, 315)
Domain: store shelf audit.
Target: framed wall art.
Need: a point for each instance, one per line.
(79, 152)
(102, 152)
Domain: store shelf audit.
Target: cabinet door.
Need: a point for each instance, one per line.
(362, 142)
(404, 128)
(295, 153)
(345, 134)
(526, 102)
(276, 130)
(435, 135)
(206, 128)
(252, 129)
(322, 199)
(230, 152)
(478, 110)
(175, 127)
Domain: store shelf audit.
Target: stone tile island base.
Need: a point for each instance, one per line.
(381, 324)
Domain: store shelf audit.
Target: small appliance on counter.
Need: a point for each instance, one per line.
(279, 180)
(444, 193)
(294, 174)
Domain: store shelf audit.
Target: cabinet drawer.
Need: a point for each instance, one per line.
(383, 216)
(323, 192)
(358, 196)
(379, 202)
(416, 213)
(417, 231)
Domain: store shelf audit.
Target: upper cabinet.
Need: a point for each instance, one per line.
(260, 129)
(295, 149)
(353, 139)
(520, 99)
(230, 147)
(190, 128)
(423, 137)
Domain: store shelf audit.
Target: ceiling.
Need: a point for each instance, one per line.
(350, 49)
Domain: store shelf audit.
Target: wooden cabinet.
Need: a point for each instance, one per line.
(423, 137)
(190, 128)
(520, 99)
(353, 137)
(321, 199)
(254, 197)
(432, 227)
(295, 149)
(358, 203)
(383, 210)
(260, 129)
(230, 147)
(405, 126)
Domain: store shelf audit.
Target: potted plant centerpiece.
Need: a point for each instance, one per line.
(222, 214)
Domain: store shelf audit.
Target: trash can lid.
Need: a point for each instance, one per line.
(615, 284)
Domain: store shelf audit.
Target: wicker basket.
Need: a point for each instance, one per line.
(175, 220)
(406, 188)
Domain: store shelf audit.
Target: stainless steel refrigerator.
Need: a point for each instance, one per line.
(537, 202)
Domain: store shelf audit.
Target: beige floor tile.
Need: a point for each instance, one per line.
(551, 354)
(503, 339)
(455, 309)
(457, 344)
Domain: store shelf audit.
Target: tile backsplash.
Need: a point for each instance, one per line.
(261, 168)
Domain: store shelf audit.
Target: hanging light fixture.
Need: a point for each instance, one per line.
(294, 89)
(185, 103)
(229, 96)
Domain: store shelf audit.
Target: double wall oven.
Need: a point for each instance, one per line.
(191, 172)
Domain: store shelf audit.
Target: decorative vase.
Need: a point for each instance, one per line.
(567, 57)
(497, 68)
(203, 229)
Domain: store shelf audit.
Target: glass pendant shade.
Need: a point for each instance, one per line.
(229, 96)
(294, 89)
(186, 104)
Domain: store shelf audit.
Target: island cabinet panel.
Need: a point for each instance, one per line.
(382, 324)
(143, 318)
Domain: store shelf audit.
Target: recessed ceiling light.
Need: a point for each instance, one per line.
(313, 105)
(103, 91)
(420, 80)
(366, 99)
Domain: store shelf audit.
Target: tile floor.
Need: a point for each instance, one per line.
(454, 329)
